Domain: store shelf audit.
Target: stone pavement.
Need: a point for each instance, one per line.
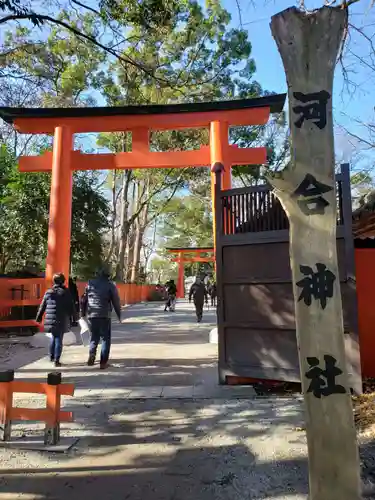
(154, 354)
(156, 426)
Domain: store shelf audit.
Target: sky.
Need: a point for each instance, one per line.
(350, 104)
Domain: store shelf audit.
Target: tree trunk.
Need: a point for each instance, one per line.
(150, 250)
(113, 217)
(131, 233)
(130, 255)
(309, 45)
(124, 226)
(138, 241)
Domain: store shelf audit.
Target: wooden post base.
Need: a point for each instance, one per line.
(51, 435)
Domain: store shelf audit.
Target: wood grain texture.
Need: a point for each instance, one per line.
(309, 45)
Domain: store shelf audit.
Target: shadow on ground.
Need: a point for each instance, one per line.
(223, 472)
(132, 372)
(163, 450)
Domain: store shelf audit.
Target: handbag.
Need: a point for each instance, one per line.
(84, 331)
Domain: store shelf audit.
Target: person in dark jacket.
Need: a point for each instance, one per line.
(199, 293)
(75, 296)
(58, 306)
(171, 294)
(98, 299)
(213, 294)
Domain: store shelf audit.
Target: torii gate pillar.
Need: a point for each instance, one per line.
(60, 212)
(219, 156)
(181, 278)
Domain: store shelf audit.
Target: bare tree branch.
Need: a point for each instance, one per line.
(124, 59)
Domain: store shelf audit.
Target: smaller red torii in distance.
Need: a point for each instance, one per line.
(184, 257)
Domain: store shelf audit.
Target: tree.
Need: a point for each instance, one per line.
(362, 184)
(186, 222)
(110, 16)
(90, 210)
(23, 215)
(60, 72)
(60, 69)
(24, 209)
(162, 269)
(274, 137)
(206, 60)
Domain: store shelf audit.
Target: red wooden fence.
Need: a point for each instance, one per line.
(365, 274)
(52, 415)
(29, 292)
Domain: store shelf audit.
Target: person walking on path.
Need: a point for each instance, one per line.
(58, 306)
(199, 293)
(171, 292)
(99, 298)
(213, 294)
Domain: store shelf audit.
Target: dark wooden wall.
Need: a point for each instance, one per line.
(256, 321)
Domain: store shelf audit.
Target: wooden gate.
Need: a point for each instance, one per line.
(256, 321)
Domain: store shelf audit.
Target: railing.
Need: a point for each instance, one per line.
(19, 299)
(130, 293)
(51, 415)
(256, 208)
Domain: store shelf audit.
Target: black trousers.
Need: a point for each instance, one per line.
(199, 309)
(100, 329)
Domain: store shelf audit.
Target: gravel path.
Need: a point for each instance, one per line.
(161, 448)
(171, 449)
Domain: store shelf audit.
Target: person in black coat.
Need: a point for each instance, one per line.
(213, 294)
(199, 294)
(99, 298)
(57, 304)
(171, 293)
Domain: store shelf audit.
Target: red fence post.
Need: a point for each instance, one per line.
(52, 429)
(365, 276)
(6, 403)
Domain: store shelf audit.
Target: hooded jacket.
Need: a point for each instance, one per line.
(58, 306)
(100, 296)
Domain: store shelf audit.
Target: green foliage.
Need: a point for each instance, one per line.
(151, 15)
(162, 269)
(24, 208)
(62, 66)
(194, 57)
(187, 222)
(89, 222)
(23, 215)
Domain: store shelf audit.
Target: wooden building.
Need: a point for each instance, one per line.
(256, 322)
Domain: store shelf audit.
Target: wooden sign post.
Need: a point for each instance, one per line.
(309, 44)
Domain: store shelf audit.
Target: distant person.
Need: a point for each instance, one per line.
(58, 306)
(73, 289)
(171, 295)
(97, 301)
(213, 294)
(199, 294)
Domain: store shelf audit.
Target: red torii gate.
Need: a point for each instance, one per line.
(63, 123)
(182, 258)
